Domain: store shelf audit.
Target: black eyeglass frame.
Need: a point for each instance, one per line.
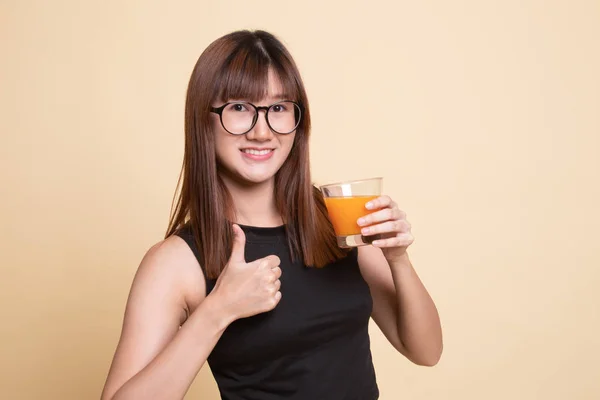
(219, 111)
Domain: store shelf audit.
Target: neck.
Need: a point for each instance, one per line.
(254, 204)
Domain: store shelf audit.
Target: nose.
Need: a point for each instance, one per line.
(261, 131)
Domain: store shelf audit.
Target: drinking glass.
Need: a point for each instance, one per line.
(345, 203)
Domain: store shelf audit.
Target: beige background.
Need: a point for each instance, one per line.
(482, 116)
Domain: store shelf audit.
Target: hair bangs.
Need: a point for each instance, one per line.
(245, 76)
(289, 86)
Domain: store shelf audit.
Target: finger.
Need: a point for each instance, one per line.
(273, 288)
(379, 216)
(396, 226)
(272, 261)
(271, 277)
(239, 243)
(266, 263)
(273, 301)
(379, 202)
(402, 240)
(277, 272)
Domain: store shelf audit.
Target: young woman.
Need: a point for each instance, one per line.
(250, 276)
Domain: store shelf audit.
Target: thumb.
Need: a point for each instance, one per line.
(239, 243)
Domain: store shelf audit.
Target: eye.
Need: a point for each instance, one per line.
(279, 108)
(237, 107)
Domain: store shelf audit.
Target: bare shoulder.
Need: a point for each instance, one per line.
(170, 266)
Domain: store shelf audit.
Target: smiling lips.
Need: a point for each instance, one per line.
(257, 154)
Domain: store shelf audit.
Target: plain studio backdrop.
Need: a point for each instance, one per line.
(483, 117)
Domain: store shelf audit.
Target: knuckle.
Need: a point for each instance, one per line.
(273, 260)
(269, 290)
(405, 239)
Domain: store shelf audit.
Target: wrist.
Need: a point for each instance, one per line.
(400, 261)
(217, 311)
(401, 268)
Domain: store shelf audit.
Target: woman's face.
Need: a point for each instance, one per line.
(254, 157)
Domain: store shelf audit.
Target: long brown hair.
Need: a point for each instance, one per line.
(236, 66)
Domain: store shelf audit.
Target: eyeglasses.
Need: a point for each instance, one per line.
(239, 117)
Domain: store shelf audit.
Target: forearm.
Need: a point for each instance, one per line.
(419, 325)
(170, 374)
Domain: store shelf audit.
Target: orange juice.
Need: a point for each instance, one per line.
(344, 211)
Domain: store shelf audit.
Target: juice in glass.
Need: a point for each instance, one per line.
(345, 203)
(345, 211)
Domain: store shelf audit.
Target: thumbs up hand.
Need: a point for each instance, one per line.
(247, 289)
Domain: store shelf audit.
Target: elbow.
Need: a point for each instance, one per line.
(428, 362)
(427, 359)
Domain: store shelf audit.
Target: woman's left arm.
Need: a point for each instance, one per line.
(402, 307)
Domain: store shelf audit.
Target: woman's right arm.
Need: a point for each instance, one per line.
(155, 358)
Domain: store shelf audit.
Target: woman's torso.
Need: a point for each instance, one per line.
(313, 345)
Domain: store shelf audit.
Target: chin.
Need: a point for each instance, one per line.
(245, 177)
(256, 179)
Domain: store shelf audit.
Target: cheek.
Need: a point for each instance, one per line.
(287, 143)
(225, 147)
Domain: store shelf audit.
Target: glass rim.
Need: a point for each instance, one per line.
(350, 182)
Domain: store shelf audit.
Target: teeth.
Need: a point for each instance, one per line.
(257, 152)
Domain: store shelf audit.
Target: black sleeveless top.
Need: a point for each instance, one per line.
(313, 346)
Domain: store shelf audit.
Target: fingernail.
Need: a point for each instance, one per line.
(365, 231)
(376, 242)
(361, 221)
(369, 205)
